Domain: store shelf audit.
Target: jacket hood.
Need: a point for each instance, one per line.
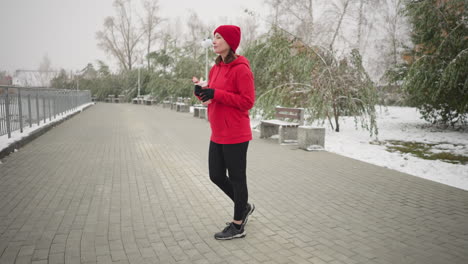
(238, 61)
(223, 69)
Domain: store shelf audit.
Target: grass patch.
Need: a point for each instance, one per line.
(423, 150)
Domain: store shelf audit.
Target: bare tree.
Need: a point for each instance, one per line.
(361, 21)
(249, 28)
(394, 26)
(306, 27)
(150, 24)
(301, 17)
(394, 35)
(376, 28)
(197, 31)
(296, 16)
(342, 13)
(368, 17)
(171, 32)
(275, 6)
(120, 35)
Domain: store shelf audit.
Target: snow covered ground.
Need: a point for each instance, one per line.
(402, 124)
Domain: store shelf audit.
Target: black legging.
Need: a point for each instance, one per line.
(233, 158)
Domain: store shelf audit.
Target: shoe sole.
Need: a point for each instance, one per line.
(251, 211)
(233, 237)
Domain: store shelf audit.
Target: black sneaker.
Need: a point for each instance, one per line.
(230, 232)
(248, 211)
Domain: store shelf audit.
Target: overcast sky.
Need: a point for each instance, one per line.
(65, 29)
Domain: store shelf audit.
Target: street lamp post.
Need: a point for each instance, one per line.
(206, 43)
(206, 63)
(139, 85)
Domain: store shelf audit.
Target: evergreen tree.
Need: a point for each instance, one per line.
(89, 72)
(103, 69)
(61, 81)
(280, 64)
(436, 80)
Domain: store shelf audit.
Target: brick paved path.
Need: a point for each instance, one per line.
(123, 183)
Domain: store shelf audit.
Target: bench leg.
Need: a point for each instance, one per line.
(287, 133)
(309, 136)
(267, 130)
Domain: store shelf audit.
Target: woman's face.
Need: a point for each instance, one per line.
(220, 46)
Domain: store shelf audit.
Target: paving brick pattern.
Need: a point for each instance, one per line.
(122, 183)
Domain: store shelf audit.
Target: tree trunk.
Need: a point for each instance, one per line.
(311, 17)
(339, 24)
(336, 115)
(276, 6)
(148, 50)
(361, 4)
(150, 23)
(394, 43)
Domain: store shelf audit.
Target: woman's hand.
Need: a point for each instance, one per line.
(207, 94)
(197, 90)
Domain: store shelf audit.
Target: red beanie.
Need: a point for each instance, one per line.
(231, 34)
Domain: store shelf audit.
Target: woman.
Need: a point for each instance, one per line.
(230, 95)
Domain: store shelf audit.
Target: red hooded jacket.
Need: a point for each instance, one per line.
(234, 96)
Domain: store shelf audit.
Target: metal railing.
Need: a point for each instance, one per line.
(21, 106)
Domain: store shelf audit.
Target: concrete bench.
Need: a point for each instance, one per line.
(200, 112)
(137, 100)
(166, 104)
(182, 107)
(311, 138)
(149, 101)
(285, 124)
(110, 98)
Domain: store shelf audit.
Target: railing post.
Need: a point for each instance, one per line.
(59, 103)
(68, 101)
(7, 110)
(54, 104)
(29, 110)
(37, 108)
(62, 97)
(44, 108)
(49, 98)
(2, 102)
(20, 110)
